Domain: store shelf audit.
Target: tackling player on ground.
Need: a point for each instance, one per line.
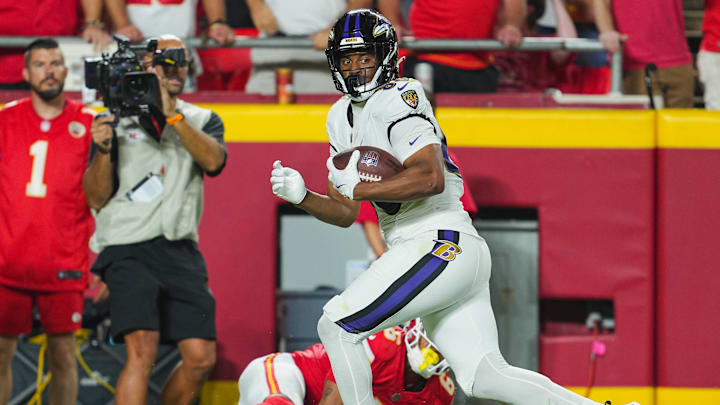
(407, 369)
(437, 267)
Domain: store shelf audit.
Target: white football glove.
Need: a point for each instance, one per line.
(287, 183)
(345, 180)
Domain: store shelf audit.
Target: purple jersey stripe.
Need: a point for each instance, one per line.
(449, 163)
(387, 308)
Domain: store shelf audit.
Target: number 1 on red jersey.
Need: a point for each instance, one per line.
(36, 188)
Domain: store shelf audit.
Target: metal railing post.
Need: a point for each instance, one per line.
(616, 72)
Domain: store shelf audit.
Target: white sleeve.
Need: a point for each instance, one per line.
(411, 134)
(331, 138)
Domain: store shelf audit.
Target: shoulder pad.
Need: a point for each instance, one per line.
(401, 97)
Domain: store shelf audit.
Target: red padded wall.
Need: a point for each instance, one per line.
(688, 276)
(596, 213)
(239, 241)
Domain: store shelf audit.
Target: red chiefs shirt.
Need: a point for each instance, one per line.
(711, 26)
(315, 367)
(33, 18)
(45, 223)
(455, 19)
(387, 359)
(655, 30)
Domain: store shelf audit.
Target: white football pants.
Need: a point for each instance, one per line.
(272, 374)
(442, 277)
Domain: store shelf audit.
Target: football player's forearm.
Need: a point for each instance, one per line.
(410, 185)
(328, 210)
(97, 181)
(424, 176)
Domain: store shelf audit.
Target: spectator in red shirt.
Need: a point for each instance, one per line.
(45, 223)
(46, 17)
(708, 59)
(654, 33)
(406, 368)
(468, 72)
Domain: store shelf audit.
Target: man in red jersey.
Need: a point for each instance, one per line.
(406, 367)
(45, 223)
(465, 72)
(708, 59)
(654, 32)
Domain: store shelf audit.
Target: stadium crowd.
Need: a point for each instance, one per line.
(680, 67)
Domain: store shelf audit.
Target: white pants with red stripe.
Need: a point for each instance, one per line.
(272, 374)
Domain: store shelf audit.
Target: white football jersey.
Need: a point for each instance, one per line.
(154, 18)
(399, 119)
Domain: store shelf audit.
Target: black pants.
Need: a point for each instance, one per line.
(448, 79)
(158, 285)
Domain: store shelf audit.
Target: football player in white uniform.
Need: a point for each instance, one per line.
(437, 266)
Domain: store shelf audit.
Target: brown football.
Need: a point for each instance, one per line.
(374, 164)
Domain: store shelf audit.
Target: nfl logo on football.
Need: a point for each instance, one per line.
(370, 158)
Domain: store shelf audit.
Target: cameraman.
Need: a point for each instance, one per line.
(146, 184)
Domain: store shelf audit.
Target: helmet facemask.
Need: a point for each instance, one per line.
(373, 34)
(425, 362)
